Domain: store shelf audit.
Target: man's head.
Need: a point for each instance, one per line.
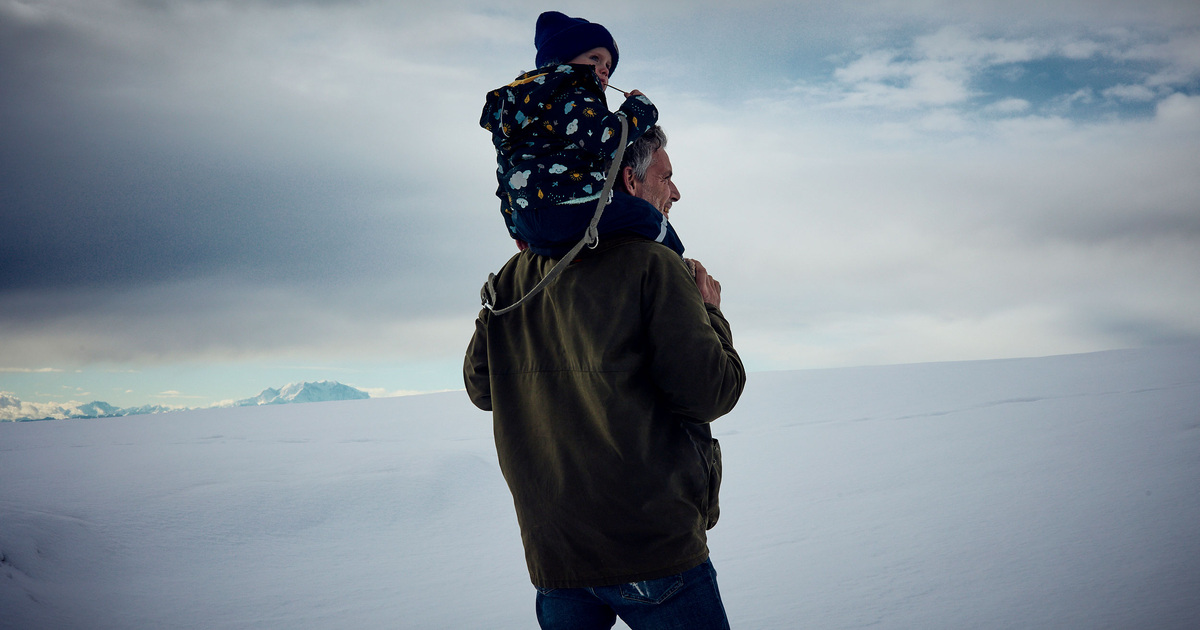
(560, 39)
(646, 171)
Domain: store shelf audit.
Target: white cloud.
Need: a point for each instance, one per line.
(1179, 56)
(173, 394)
(1064, 103)
(29, 370)
(914, 337)
(938, 69)
(1008, 106)
(955, 44)
(1138, 93)
(942, 69)
(872, 239)
(882, 78)
(13, 408)
(1180, 109)
(1081, 49)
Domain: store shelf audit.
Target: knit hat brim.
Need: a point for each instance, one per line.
(559, 39)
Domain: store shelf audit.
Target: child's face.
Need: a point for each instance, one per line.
(598, 57)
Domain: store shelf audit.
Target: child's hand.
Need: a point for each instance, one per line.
(633, 93)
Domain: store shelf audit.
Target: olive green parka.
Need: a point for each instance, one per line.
(601, 389)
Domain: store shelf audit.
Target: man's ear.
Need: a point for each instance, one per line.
(628, 179)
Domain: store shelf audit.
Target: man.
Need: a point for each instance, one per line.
(601, 389)
(646, 171)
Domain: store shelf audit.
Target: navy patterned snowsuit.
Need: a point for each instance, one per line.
(554, 139)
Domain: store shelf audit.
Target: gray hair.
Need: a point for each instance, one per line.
(639, 154)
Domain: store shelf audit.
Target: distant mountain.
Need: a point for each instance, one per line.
(323, 391)
(13, 409)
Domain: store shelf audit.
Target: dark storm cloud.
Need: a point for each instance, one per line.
(111, 177)
(193, 180)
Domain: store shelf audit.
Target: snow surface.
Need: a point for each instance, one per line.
(1059, 492)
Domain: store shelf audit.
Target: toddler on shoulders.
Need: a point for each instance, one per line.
(555, 138)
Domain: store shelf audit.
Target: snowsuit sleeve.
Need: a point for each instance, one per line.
(568, 103)
(580, 118)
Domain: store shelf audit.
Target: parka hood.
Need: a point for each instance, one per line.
(509, 108)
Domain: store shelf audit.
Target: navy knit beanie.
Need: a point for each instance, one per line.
(560, 39)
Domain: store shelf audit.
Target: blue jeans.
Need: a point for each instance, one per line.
(687, 601)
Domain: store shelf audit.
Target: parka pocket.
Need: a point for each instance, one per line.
(714, 484)
(652, 591)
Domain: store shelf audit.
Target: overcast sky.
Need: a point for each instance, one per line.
(201, 199)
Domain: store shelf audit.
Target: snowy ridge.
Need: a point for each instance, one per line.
(1041, 494)
(322, 391)
(13, 409)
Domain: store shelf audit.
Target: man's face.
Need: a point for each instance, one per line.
(658, 188)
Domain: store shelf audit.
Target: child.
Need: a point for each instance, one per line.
(555, 139)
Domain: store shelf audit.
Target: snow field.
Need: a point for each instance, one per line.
(1059, 492)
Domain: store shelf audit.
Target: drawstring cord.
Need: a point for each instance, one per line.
(591, 236)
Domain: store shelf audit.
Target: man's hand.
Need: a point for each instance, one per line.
(710, 289)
